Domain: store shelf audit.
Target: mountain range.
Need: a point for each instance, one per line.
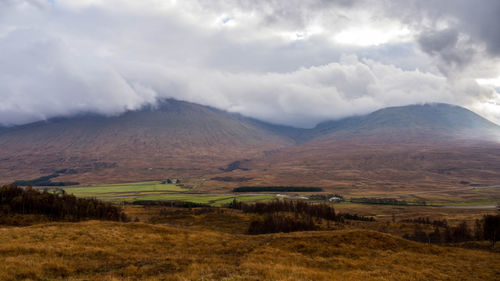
(397, 146)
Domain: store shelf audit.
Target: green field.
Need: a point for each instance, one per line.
(123, 189)
(155, 191)
(205, 199)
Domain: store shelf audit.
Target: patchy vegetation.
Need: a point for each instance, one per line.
(236, 165)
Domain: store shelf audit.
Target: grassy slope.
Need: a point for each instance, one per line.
(130, 251)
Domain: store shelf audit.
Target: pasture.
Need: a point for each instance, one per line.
(156, 191)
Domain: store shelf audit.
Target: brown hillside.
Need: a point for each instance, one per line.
(135, 251)
(177, 139)
(356, 165)
(431, 147)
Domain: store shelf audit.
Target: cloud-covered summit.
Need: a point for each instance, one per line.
(288, 62)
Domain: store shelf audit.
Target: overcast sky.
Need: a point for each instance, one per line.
(292, 62)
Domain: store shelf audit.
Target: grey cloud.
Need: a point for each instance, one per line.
(445, 45)
(470, 35)
(40, 79)
(437, 41)
(292, 13)
(479, 18)
(108, 58)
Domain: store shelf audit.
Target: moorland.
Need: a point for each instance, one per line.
(187, 192)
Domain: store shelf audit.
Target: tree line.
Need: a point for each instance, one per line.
(277, 189)
(16, 200)
(273, 223)
(488, 228)
(427, 221)
(323, 211)
(326, 197)
(385, 201)
(169, 203)
(299, 215)
(44, 181)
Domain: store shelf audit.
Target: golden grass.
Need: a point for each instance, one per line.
(384, 213)
(97, 250)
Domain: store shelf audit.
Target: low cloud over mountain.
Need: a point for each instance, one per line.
(295, 64)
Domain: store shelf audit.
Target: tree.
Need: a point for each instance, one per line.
(461, 233)
(491, 228)
(435, 237)
(419, 234)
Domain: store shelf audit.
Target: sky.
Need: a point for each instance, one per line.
(287, 62)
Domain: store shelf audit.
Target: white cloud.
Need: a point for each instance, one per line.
(293, 62)
(43, 78)
(309, 95)
(369, 36)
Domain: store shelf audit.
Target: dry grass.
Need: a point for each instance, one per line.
(384, 213)
(98, 250)
(233, 221)
(357, 166)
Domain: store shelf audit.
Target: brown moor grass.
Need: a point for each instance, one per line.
(97, 250)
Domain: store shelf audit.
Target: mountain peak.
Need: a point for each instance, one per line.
(435, 115)
(421, 120)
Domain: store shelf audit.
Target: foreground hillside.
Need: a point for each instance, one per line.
(97, 250)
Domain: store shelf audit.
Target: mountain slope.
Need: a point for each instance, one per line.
(417, 146)
(428, 121)
(173, 139)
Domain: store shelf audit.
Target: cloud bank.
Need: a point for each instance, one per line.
(288, 62)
